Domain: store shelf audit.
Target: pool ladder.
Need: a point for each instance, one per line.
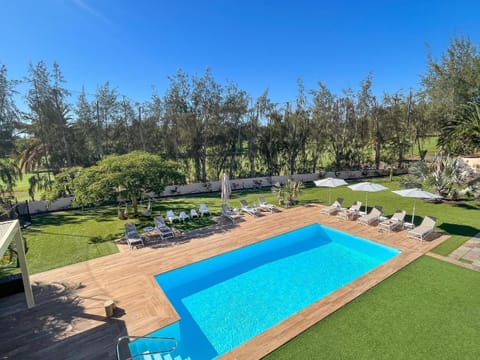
(123, 351)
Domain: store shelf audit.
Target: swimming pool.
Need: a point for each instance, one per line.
(226, 300)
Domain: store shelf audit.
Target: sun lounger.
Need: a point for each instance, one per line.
(426, 228)
(183, 216)
(334, 208)
(395, 222)
(193, 213)
(228, 214)
(247, 208)
(204, 210)
(352, 213)
(265, 205)
(171, 216)
(132, 236)
(163, 230)
(372, 217)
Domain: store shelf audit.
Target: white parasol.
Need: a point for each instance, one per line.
(416, 193)
(330, 183)
(367, 187)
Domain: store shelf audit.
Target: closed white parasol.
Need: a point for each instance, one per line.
(226, 189)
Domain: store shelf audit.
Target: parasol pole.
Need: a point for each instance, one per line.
(413, 214)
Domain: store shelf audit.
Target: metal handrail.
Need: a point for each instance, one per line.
(121, 339)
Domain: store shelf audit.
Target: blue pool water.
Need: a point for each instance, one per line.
(228, 299)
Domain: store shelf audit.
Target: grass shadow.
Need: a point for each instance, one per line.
(468, 206)
(458, 229)
(99, 239)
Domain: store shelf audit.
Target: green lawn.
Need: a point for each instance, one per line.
(59, 239)
(63, 238)
(428, 310)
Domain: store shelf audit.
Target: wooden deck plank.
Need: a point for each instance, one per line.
(72, 297)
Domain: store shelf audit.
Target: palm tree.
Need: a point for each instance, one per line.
(9, 174)
(33, 156)
(288, 193)
(39, 182)
(464, 131)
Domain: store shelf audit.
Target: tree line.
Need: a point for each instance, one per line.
(208, 128)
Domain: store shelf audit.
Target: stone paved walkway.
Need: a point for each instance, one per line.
(469, 252)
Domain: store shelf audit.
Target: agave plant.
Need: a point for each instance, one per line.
(444, 174)
(472, 189)
(287, 194)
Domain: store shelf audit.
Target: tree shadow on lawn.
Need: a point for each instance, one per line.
(53, 219)
(72, 217)
(176, 205)
(314, 200)
(100, 239)
(457, 229)
(99, 214)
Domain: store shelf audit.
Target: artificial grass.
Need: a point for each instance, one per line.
(68, 237)
(59, 239)
(63, 238)
(428, 310)
(457, 219)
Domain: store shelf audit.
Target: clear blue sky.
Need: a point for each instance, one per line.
(257, 44)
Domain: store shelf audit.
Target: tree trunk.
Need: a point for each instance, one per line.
(197, 167)
(203, 160)
(99, 134)
(401, 149)
(293, 157)
(315, 157)
(251, 158)
(134, 204)
(377, 154)
(67, 149)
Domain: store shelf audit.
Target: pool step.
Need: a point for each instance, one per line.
(165, 357)
(159, 348)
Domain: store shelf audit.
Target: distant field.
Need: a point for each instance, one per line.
(326, 159)
(21, 190)
(429, 144)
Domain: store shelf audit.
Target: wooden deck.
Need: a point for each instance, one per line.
(69, 321)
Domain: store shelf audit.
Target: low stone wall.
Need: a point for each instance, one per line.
(255, 183)
(38, 207)
(473, 162)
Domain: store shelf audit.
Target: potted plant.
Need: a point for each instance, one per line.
(287, 194)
